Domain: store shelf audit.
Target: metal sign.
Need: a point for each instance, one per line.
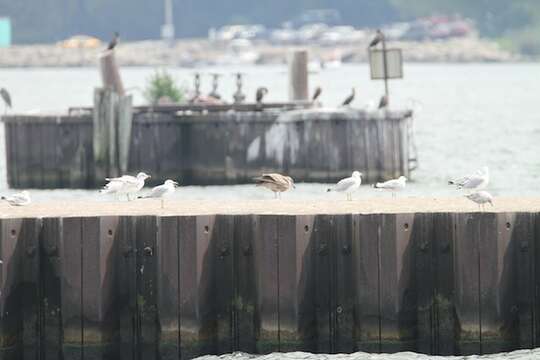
(394, 64)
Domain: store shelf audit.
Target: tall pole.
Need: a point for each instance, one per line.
(385, 65)
(167, 30)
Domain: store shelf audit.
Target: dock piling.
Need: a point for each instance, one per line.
(298, 75)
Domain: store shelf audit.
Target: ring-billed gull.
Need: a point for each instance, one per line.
(393, 185)
(18, 199)
(481, 198)
(126, 184)
(477, 181)
(160, 191)
(276, 182)
(348, 185)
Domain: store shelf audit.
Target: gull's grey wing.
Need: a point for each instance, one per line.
(157, 192)
(344, 184)
(472, 182)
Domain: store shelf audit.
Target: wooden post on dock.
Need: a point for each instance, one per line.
(110, 75)
(298, 75)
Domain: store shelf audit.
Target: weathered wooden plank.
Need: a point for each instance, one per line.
(498, 304)
(126, 291)
(225, 302)
(523, 242)
(357, 146)
(168, 290)
(265, 249)
(324, 241)
(366, 250)
(197, 333)
(70, 248)
(11, 141)
(425, 246)
(147, 274)
(445, 320)
(297, 328)
(397, 283)
(343, 274)
(298, 76)
(467, 282)
(19, 286)
(246, 297)
(98, 288)
(51, 282)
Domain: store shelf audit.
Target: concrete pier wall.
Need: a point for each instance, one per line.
(173, 286)
(214, 148)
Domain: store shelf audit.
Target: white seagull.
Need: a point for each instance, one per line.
(481, 198)
(477, 181)
(393, 185)
(348, 185)
(160, 191)
(18, 199)
(126, 184)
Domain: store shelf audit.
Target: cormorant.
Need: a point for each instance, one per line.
(349, 99)
(114, 41)
(6, 97)
(378, 38)
(261, 92)
(317, 93)
(383, 103)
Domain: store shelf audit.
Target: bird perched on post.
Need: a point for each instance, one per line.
(349, 98)
(383, 103)
(276, 182)
(393, 185)
(6, 97)
(377, 39)
(348, 185)
(126, 184)
(260, 94)
(481, 198)
(317, 93)
(477, 181)
(160, 191)
(18, 199)
(114, 41)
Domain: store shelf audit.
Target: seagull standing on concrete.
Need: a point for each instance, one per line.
(126, 184)
(348, 185)
(377, 39)
(477, 181)
(276, 182)
(114, 41)
(316, 94)
(481, 198)
(18, 199)
(7, 99)
(349, 99)
(393, 185)
(160, 191)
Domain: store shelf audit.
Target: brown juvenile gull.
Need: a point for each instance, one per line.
(276, 182)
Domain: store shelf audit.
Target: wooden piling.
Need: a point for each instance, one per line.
(110, 74)
(298, 75)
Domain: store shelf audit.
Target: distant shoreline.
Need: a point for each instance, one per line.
(202, 52)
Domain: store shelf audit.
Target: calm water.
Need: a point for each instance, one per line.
(466, 116)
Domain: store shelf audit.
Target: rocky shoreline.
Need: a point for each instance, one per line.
(202, 52)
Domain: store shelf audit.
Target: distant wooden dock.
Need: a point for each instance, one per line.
(209, 145)
(85, 282)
